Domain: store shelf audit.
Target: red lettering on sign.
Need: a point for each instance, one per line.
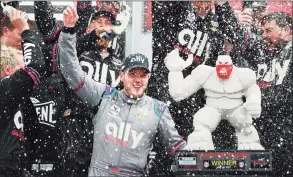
(261, 162)
(223, 155)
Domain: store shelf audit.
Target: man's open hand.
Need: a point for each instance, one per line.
(17, 19)
(70, 16)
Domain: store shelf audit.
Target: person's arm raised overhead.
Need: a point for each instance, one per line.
(86, 88)
(22, 77)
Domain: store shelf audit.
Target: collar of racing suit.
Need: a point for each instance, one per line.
(130, 100)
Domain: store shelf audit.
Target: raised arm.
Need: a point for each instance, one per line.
(228, 22)
(86, 88)
(19, 85)
(84, 10)
(49, 27)
(179, 87)
(238, 30)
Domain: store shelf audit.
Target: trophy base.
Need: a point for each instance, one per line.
(223, 163)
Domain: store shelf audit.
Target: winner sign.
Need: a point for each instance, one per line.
(224, 162)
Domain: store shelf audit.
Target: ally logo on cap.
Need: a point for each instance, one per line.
(137, 58)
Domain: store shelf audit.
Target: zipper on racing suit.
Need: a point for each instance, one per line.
(124, 131)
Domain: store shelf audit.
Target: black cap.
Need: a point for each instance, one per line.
(101, 13)
(136, 61)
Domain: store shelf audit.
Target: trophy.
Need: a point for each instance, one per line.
(226, 87)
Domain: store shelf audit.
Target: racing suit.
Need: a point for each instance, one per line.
(69, 136)
(124, 128)
(18, 118)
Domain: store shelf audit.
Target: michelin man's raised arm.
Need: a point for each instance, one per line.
(85, 87)
(179, 87)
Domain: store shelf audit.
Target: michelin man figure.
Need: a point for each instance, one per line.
(224, 85)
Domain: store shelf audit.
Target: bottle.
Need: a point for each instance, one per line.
(106, 35)
(8, 8)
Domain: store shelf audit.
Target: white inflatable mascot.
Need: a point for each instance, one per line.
(224, 85)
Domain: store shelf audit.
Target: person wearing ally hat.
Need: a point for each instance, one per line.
(127, 121)
(73, 121)
(102, 63)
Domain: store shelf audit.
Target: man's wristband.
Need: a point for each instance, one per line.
(71, 30)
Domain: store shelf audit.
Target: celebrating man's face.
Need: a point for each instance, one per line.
(271, 32)
(135, 81)
(98, 23)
